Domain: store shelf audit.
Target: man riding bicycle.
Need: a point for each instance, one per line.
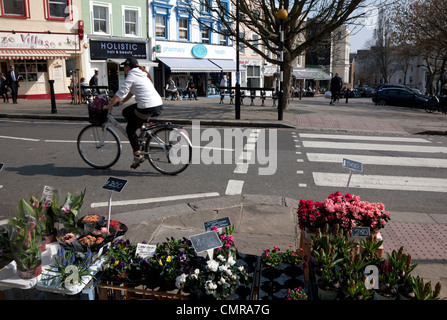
(148, 103)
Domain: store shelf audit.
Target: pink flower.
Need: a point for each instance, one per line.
(214, 228)
(66, 209)
(36, 204)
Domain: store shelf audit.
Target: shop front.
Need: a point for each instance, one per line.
(106, 55)
(205, 64)
(39, 57)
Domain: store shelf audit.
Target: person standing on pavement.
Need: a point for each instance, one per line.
(148, 103)
(94, 82)
(12, 81)
(3, 88)
(336, 84)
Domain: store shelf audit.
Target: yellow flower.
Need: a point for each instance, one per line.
(168, 259)
(160, 263)
(116, 263)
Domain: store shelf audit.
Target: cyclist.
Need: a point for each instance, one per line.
(148, 103)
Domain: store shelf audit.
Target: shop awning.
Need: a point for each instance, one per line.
(140, 62)
(190, 65)
(19, 54)
(226, 65)
(318, 74)
(302, 74)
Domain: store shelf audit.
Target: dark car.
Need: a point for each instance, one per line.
(383, 86)
(403, 97)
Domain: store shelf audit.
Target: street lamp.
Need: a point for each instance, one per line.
(282, 16)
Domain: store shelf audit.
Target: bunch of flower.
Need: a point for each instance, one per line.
(173, 257)
(293, 257)
(121, 255)
(272, 258)
(68, 238)
(115, 225)
(91, 219)
(103, 232)
(296, 294)
(68, 269)
(311, 214)
(346, 210)
(216, 279)
(66, 213)
(228, 244)
(90, 240)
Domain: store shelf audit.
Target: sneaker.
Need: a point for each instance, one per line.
(137, 160)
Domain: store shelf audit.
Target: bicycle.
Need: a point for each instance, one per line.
(436, 104)
(166, 147)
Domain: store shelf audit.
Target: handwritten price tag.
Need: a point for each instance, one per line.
(115, 184)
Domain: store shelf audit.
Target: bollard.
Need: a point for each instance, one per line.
(280, 104)
(53, 99)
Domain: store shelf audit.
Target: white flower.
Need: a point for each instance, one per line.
(180, 281)
(221, 281)
(196, 272)
(221, 258)
(223, 268)
(231, 260)
(212, 265)
(210, 285)
(228, 272)
(241, 268)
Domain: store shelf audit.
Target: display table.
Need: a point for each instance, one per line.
(10, 278)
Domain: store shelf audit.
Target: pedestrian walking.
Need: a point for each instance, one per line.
(94, 82)
(336, 84)
(3, 88)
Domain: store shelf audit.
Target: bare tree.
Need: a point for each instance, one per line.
(260, 16)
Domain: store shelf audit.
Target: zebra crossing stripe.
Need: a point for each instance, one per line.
(379, 160)
(363, 138)
(380, 182)
(373, 147)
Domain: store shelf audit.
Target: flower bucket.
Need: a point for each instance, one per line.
(327, 294)
(32, 273)
(378, 296)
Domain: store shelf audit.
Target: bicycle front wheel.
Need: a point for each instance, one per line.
(99, 147)
(168, 151)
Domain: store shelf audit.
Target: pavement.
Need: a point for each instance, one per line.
(265, 221)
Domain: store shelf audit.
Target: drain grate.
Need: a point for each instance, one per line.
(422, 241)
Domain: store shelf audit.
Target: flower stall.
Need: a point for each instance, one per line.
(50, 247)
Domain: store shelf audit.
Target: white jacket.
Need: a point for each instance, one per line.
(141, 87)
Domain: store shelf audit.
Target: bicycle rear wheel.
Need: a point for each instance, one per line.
(99, 147)
(168, 151)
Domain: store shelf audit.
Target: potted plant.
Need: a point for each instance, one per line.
(296, 294)
(227, 240)
(25, 239)
(216, 279)
(423, 290)
(44, 207)
(357, 289)
(121, 254)
(329, 282)
(172, 258)
(68, 269)
(387, 283)
(66, 214)
(311, 215)
(401, 264)
(294, 261)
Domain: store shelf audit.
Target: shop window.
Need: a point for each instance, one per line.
(131, 21)
(206, 34)
(101, 19)
(57, 9)
(70, 66)
(31, 70)
(15, 8)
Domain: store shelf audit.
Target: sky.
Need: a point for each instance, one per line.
(358, 38)
(361, 35)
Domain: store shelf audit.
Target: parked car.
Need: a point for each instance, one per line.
(366, 91)
(383, 86)
(403, 97)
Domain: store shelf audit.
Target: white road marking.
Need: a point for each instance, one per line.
(234, 187)
(380, 182)
(379, 160)
(152, 200)
(363, 138)
(372, 146)
(17, 138)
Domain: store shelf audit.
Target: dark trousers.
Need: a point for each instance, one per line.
(4, 94)
(14, 90)
(134, 122)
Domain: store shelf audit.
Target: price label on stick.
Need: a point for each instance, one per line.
(145, 250)
(219, 223)
(115, 184)
(360, 231)
(205, 242)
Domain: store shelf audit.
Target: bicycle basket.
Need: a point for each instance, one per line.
(96, 115)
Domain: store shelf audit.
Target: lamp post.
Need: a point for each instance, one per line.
(282, 16)
(237, 103)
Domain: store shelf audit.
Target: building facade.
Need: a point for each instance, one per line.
(38, 38)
